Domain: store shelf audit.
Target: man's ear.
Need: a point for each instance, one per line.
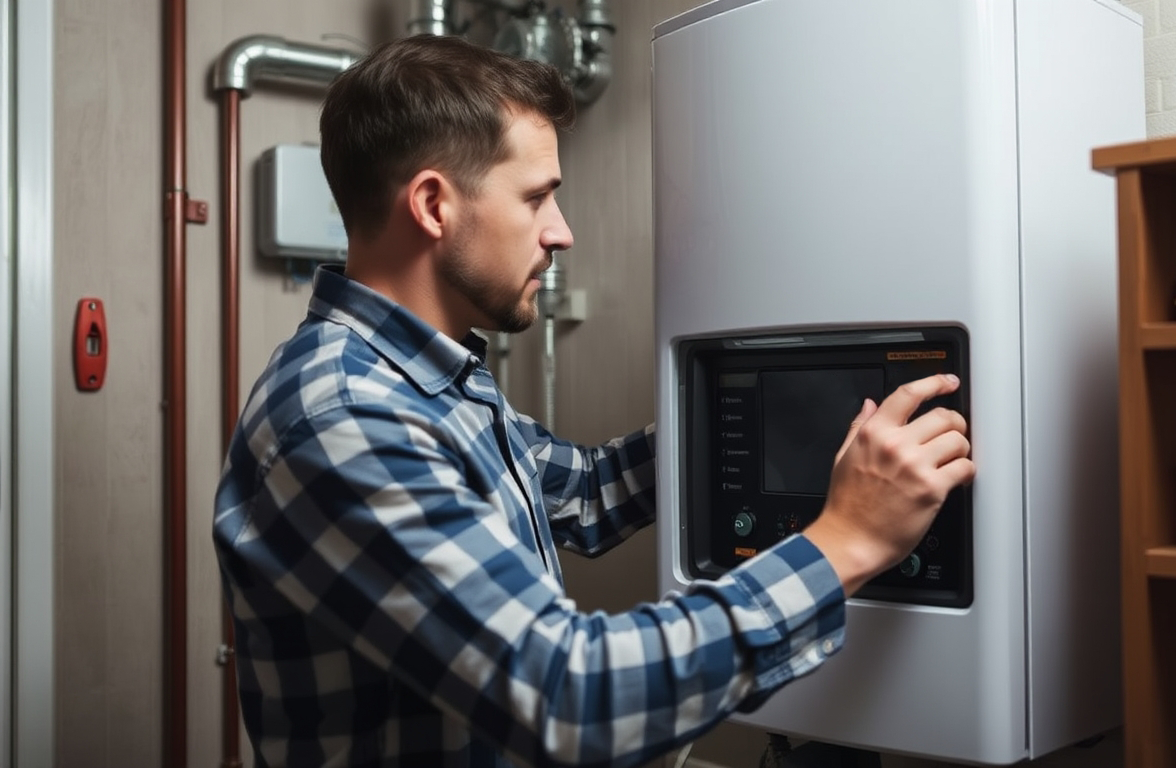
(430, 202)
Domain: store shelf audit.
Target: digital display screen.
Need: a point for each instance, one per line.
(806, 416)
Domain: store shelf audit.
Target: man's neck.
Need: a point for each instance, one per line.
(408, 279)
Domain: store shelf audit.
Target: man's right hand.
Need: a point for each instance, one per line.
(889, 480)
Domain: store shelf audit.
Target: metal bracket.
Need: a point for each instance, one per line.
(224, 653)
(196, 212)
(573, 306)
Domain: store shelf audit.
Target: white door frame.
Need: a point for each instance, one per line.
(28, 728)
(6, 339)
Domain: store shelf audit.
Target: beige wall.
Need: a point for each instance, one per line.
(109, 244)
(109, 532)
(1159, 32)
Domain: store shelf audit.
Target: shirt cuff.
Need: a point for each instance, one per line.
(800, 596)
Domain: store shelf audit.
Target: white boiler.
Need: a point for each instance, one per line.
(850, 194)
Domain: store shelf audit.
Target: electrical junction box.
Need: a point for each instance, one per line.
(297, 215)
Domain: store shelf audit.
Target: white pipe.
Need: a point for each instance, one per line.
(552, 287)
(549, 373)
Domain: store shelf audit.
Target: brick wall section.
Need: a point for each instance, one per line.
(1159, 35)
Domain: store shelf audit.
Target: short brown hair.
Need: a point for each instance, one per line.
(421, 102)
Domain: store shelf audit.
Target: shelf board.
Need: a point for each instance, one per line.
(1161, 562)
(1154, 153)
(1157, 336)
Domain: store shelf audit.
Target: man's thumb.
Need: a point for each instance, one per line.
(869, 407)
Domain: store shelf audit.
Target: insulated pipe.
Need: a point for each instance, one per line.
(242, 64)
(175, 395)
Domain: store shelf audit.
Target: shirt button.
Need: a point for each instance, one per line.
(828, 647)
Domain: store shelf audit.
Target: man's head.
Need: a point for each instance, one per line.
(427, 102)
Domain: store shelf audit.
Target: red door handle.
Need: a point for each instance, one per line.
(90, 345)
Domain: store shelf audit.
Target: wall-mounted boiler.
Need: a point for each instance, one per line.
(853, 193)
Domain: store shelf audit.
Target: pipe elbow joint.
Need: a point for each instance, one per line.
(234, 68)
(595, 72)
(265, 57)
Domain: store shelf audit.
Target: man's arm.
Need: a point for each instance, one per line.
(365, 525)
(595, 497)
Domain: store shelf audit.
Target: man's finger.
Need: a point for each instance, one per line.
(946, 448)
(958, 472)
(868, 410)
(937, 422)
(905, 400)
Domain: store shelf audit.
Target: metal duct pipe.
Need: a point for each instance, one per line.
(264, 57)
(594, 70)
(431, 17)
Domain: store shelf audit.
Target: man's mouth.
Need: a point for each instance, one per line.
(537, 275)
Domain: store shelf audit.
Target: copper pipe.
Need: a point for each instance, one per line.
(247, 59)
(230, 377)
(230, 259)
(175, 395)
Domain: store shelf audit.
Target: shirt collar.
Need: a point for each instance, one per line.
(432, 360)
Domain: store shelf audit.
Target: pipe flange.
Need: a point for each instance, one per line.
(535, 38)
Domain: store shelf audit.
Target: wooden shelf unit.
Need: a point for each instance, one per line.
(1157, 335)
(1145, 174)
(1161, 563)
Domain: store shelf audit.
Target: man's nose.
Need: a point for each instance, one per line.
(557, 236)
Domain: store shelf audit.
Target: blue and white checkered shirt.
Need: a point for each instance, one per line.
(387, 528)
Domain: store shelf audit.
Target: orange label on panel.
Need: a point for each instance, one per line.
(745, 551)
(917, 355)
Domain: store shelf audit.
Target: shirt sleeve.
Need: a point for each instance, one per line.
(595, 497)
(364, 524)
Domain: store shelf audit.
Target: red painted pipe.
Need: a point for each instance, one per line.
(175, 394)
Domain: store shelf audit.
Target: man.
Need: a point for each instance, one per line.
(387, 524)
